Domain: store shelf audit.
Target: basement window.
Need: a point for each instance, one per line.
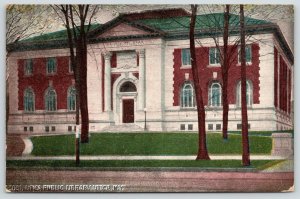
(69, 128)
(239, 126)
(210, 127)
(218, 126)
(190, 127)
(182, 127)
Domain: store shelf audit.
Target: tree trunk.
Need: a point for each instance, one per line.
(202, 149)
(245, 139)
(82, 60)
(225, 69)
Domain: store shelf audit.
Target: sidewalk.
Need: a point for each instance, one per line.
(128, 157)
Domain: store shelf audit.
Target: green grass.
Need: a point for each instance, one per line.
(146, 144)
(45, 164)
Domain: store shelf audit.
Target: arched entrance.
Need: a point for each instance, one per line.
(128, 89)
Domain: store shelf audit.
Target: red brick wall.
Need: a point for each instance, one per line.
(275, 77)
(206, 74)
(39, 82)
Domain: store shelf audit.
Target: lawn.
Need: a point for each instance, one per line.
(131, 164)
(146, 144)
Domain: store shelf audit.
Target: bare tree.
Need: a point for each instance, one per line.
(245, 139)
(202, 148)
(77, 19)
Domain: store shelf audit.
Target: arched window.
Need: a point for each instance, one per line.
(50, 100)
(215, 94)
(128, 87)
(29, 100)
(249, 93)
(187, 96)
(71, 98)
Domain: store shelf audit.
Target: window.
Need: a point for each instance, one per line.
(28, 100)
(210, 126)
(47, 128)
(71, 98)
(128, 87)
(186, 56)
(25, 128)
(182, 127)
(28, 68)
(70, 66)
(50, 99)
(215, 94)
(52, 128)
(69, 128)
(248, 54)
(31, 128)
(239, 126)
(51, 65)
(214, 56)
(187, 96)
(190, 127)
(249, 92)
(218, 126)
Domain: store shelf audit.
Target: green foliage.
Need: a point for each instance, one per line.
(146, 144)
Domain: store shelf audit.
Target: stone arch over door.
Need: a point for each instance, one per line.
(119, 96)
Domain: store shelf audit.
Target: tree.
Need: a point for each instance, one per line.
(75, 18)
(202, 148)
(245, 139)
(225, 67)
(22, 21)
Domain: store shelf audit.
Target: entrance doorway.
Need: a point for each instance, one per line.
(128, 110)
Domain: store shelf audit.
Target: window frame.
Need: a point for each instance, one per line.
(191, 96)
(210, 94)
(54, 67)
(187, 61)
(249, 94)
(69, 95)
(248, 46)
(28, 62)
(25, 100)
(46, 99)
(217, 56)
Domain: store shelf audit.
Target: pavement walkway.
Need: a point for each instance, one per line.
(135, 157)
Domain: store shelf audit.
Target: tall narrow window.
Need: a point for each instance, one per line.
(214, 56)
(215, 94)
(187, 96)
(72, 98)
(28, 67)
(51, 65)
(249, 93)
(248, 54)
(29, 100)
(186, 57)
(50, 100)
(70, 66)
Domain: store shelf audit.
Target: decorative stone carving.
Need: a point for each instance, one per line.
(107, 55)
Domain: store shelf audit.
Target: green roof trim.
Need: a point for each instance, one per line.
(58, 35)
(207, 21)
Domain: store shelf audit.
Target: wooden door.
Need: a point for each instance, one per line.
(128, 111)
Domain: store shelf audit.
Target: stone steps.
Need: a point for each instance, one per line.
(122, 128)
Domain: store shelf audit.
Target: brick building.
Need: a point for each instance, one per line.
(139, 64)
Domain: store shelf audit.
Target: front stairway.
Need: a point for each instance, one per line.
(122, 128)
